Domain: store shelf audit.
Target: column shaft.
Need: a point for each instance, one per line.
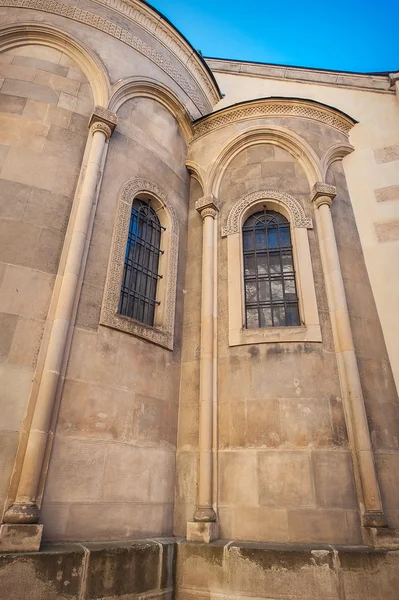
(24, 509)
(369, 498)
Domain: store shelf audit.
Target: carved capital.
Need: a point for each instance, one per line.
(103, 120)
(207, 206)
(323, 193)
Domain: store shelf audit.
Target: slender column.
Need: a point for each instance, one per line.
(207, 208)
(25, 510)
(358, 430)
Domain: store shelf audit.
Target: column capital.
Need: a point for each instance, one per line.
(207, 206)
(322, 193)
(103, 120)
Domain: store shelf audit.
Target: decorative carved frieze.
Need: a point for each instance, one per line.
(274, 108)
(299, 218)
(201, 101)
(101, 115)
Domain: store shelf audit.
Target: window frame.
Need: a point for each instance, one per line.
(288, 206)
(162, 331)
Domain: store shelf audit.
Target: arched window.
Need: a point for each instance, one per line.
(271, 298)
(140, 273)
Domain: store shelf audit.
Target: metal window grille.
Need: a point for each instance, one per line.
(140, 273)
(270, 290)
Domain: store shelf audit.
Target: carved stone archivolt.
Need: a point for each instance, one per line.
(274, 108)
(203, 101)
(295, 209)
(162, 335)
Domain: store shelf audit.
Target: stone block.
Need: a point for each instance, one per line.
(122, 570)
(24, 166)
(261, 524)
(54, 573)
(64, 143)
(36, 51)
(89, 310)
(25, 292)
(79, 124)
(11, 104)
(285, 479)
(15, 388)
(391, 192)
(306, 423)
(238, 478)
(188, 427)
(3, 154)
(11, 249)
(387, 231)
(334, 479)
(27, 89)
(134, 474)
(14, 71)
(387, 464)
(186, 478)
(13, 199)
(110, 521)
(21, 133)
(369, 574)
(387, 154)
(278, 169)
(82, 106)
(56, 82)
(318, 526)
(202, 532)
(38, 63)
(200, 566)
(8, 324)
(70, 457)
(249, 424)
(261, 153)
(60, 117)
(256, 570)
(8, 445)
(153, 421)
(20, 538)
(46, 209)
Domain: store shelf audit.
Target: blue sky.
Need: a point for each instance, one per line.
(351, 36)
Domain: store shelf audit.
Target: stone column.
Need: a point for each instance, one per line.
(24, 509)
(204, 527)
(358, 430)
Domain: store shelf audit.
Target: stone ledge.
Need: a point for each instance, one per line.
(285, 571)
(89, 571)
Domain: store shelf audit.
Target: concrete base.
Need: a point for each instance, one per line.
(202, 532)
(20, 538)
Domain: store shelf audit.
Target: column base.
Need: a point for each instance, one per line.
(20, 538)
(22, 514)
(374, 518)
(202, 532)
(205, 515)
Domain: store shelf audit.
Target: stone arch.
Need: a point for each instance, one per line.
(278, 136)
(134, 87)
(13, 36)
(280, 201)
(336, 152)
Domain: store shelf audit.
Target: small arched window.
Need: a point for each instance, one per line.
(271, 298)
(140, 272)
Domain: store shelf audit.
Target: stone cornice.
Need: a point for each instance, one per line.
(204, 95)
(274, 107)
(372, 82)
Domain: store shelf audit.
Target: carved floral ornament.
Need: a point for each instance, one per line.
(274, 108)
(109, 315)
(295, 209)
(191, 63)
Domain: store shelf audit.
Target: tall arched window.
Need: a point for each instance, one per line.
(270, 290)
(140, 273)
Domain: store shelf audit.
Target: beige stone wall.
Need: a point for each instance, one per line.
(117, 426)
(372, 171)
(42, 140)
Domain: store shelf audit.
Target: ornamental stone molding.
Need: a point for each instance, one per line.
(207, 206)
(162, 335)
(203, 101)
(323, 193)
(105, 116)
(295, 209)
(274, 107)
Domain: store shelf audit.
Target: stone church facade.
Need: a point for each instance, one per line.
(198, 317)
